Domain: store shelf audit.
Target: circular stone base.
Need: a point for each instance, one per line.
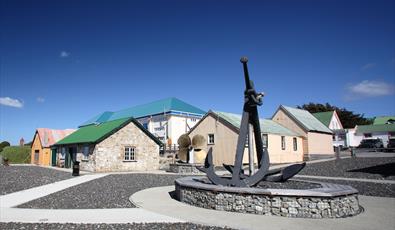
(185, 168)
(323, 200)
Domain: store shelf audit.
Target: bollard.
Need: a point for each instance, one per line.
(337, 149)
(352, 152)
(76, 168)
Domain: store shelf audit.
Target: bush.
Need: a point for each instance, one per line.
(17, 154)
(3, 145)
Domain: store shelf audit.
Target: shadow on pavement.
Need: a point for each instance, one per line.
(384, 170)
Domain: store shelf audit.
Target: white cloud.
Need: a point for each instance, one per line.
(40, 99)
(368, 88)
(64, 54)
(368, 66)
(7, 101)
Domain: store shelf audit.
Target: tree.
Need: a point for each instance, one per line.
(349, 119)
(4, 144)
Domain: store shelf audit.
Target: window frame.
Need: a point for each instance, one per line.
(283, 145)
(85, 155)
(129, 154)
(265, 140)
(209, 142)
(295, 144)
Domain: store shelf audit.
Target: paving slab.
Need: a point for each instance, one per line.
(379, 214)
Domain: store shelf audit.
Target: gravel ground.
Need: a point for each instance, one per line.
(112, 191)
(365, 188)
(153, 226)
(17, 178)
(380, 168)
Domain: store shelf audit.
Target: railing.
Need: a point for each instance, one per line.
(167, 150)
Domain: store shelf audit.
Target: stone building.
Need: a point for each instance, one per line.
(317, 138)
(117, 145)
(221, 131)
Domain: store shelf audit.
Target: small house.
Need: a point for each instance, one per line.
(221, 131)
(382, 131)
(43, 138)
(331, 120)
(116, 145)
(317, 138)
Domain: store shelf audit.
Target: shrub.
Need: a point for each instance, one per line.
(17, 154)
(3, 145)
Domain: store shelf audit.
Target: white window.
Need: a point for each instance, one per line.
(210, 139)
(264, 140)
(130, 154)
(283, 142)
(295, 141)
(86, 152)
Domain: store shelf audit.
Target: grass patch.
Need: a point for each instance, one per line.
(17, 154)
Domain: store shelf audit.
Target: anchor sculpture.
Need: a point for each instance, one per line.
(252, 100)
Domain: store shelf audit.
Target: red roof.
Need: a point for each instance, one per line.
(49, 137)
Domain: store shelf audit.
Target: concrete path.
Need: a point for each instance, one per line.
(17, 198)
(345, 178)
(379, 214)
(108, 216)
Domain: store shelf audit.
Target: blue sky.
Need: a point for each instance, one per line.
(62, 62)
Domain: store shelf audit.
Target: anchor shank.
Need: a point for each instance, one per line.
(240, 147)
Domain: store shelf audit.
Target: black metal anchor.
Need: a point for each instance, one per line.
(252, 100)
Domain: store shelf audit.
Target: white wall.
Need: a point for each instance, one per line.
(354, 139)
(180, 125)
(169, 126)
(335, 123)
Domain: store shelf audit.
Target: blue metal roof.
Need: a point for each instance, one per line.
(168, 105)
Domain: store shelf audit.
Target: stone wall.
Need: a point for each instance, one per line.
(316, 203)
(108, 155)
(184, 168)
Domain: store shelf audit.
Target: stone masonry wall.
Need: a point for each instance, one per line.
(184, 168)
(108, 155)
(304, 207)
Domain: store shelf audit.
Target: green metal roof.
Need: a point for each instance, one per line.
(98, 132)
(324, 117)
(375, 128)
(167, 105)
(306, 119)
(383, 120)
(267, 126)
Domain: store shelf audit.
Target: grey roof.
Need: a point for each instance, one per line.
(267, 126)
(306, 119)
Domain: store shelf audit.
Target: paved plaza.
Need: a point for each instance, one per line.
(35, 197)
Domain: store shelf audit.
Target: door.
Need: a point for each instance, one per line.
(36, 156)
(54, 157)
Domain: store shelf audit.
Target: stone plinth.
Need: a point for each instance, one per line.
(327, 201)
(185, 168)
